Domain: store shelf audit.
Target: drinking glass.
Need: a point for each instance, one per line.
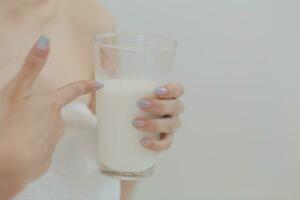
(131, 66)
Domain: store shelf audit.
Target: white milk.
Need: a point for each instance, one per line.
(118, 141)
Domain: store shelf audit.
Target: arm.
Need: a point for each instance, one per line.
(128, 189)
(8, 191)
(31, 125)
(9, 184)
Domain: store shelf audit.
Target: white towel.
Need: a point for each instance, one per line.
(74, 173)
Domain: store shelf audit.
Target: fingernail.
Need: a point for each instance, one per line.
(145, 141)
(144, 103)
(138, 123)
(42, 43)
(98, 85)
(161, 91)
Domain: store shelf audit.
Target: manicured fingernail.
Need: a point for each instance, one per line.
(42, 43)
(144, 103)
(98, 85)
(138, 123)
(161, 91)
(145, 141)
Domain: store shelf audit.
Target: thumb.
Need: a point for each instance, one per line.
(70, 92)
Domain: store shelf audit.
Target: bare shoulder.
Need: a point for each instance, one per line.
(89, 17)
(101, 19)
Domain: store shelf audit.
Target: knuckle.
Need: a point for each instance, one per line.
(170, 128)
(174, 124)
(56, 99)
(82, 87)
(153, 125)
(173, 108)
(88, 86)
(159, 107)
(166, 145)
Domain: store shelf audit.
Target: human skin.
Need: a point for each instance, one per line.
(26, 147)
(71, 30)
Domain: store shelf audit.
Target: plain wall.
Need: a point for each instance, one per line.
(239, 62)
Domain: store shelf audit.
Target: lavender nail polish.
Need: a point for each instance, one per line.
(145, 141)
(144, 103)
(138, 123)
(42, 43)
(161, 91)
(99, 85)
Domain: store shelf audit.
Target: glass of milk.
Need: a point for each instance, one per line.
(131, 67)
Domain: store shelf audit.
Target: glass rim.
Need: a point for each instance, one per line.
(172, 44)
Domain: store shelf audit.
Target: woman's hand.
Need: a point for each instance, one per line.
(167, 107)
(31, 125)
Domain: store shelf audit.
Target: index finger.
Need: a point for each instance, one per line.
(71, 91)
(32, 65)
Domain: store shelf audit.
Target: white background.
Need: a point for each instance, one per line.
(240, 63)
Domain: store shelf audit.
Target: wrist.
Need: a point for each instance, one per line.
(10, 181)
(10, 188)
